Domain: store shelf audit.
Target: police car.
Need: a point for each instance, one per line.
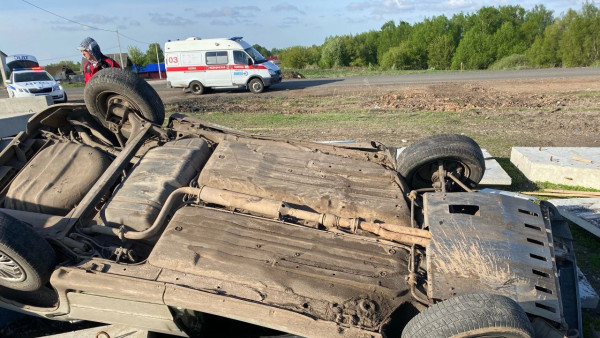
(27, 78)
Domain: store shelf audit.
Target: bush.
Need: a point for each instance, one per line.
(515, 61)
(334, 53)
(397, 58)
(298, 57)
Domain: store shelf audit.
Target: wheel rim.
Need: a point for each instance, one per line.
(196, 88)
(256, 86)
(114, 107)
(10, 270)
(428, 174)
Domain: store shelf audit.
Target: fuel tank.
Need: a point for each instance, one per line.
(137, 202)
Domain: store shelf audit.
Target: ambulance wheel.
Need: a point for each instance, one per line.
(196, 88)
(256, 86)
(112, 92)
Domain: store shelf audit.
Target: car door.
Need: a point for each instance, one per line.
(217, 69)
(240, 69)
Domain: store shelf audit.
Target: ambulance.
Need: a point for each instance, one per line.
(198, 64)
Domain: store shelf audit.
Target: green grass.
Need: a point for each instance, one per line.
(350, 72)
(591, 94)
(589, 320)
(72, 85)
(548, 185)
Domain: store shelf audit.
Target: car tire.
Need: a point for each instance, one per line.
(474, 315)
(122, 87)
(64, 100)
(256, 86)
(197, 88)
(459, 154)
(26, 259)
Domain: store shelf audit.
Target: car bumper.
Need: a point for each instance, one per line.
(272, 80)
(57, 95)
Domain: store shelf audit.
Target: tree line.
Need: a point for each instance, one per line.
(492, 37)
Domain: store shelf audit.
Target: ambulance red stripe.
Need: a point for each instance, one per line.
(207, 68)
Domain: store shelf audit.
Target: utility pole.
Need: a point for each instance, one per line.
(120, 54)
(158, 62)
(2, 64)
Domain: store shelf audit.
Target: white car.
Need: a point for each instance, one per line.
(34, 82)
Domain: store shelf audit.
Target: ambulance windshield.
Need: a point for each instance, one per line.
(255, 55)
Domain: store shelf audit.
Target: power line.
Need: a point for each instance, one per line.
(130, 38)
(62, 17)
(75, 55)
(82, 24)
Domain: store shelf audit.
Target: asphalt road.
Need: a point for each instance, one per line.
(76, 94)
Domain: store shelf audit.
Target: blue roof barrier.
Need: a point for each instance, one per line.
(150, 68)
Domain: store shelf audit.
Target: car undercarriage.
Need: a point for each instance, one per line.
(111, 217)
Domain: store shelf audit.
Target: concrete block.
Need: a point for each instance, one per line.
(493, 175)
(584, 212)
(22, 105)
(14, 113)
(588, 296)
(579, 166)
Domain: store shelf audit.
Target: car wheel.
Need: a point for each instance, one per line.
(459, 155)
(112, 92)
(196, 88)
(64, 100)
(26, 259)
(256, 86)
(475, 315)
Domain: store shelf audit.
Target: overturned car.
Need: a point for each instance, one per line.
(110, 217)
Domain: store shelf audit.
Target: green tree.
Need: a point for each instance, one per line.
(262, 50)
(508, 41)
(580, 42)
(422, 35)
(391, 36)
(536, 21)
(334, 53)
(440, 52)
(545, 50)
(150, 56)
(398, 57)
(363, 49)
(299, 56)
(138, 59)
(69, 64)
(475, 51)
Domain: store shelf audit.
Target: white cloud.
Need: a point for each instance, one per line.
(287, 8)
(230, 12)
(169, 20)
(381, 7)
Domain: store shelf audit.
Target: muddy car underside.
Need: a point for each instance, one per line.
(154, 227)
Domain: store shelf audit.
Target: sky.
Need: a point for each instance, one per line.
(27, 27)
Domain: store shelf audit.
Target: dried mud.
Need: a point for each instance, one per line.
(526, 113)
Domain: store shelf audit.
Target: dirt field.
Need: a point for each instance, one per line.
(497, 114)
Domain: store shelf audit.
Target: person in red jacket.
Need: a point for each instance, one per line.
(95, 59)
